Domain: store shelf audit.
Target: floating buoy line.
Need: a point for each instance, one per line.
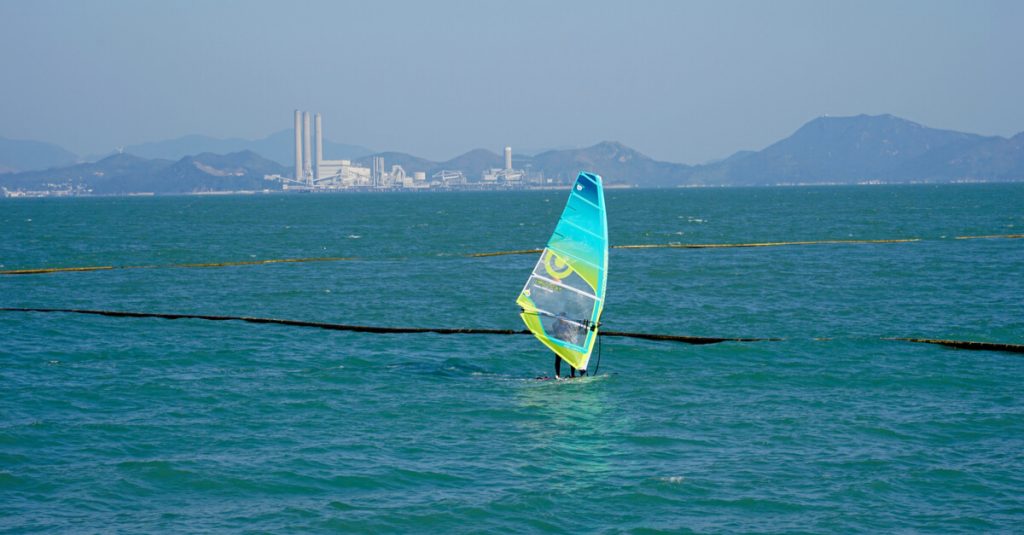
(41, 271)
(696, 340)
(965, 344)
(693, 340)
(710, 245)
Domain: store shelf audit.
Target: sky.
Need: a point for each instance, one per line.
(679, 81)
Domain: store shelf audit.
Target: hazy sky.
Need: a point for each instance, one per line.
(679, 81)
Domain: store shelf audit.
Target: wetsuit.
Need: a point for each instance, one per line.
(569, 332)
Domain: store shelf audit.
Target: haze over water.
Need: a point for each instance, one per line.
(683, 82)
(152, 425)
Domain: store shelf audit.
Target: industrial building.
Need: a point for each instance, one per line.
(314, 172)
(507, 175)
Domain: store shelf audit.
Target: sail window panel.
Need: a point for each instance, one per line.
(555, 300)
(550, 268)
(570, 333)
(564, 313)
(584, 256)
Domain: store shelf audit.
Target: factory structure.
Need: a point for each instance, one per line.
(313, 172)
(506, 175)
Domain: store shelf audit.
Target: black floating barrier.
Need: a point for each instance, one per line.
(696, 340)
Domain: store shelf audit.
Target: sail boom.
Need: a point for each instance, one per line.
(550, 315)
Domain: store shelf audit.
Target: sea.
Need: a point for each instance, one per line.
(145, 425)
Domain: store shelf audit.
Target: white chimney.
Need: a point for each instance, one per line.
(298, 145)
(307, 159)
(508, 158)
(319, 147)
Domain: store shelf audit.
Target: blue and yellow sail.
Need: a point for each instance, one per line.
(564, 296)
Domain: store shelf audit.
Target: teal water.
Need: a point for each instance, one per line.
(147, 425)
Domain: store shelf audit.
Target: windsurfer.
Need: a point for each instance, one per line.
(564, 296)
(569, 332)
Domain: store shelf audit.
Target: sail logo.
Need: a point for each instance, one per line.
(556, 266)
(542, 284)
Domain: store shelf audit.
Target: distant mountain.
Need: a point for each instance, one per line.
(127, 173)
(23, 155)
(533, 151)
(990, 158)
(472, 164)
(826, 150)
(279, 147)
(213, 172)
(615, 162)
(475, 162)
(105, 175)
(865, 148)
(408, 162)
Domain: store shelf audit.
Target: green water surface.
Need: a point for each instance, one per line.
(149, 425)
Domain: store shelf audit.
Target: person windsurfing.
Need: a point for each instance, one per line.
(562, 300)
(569, 332)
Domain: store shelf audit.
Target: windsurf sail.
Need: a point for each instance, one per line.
(564, 296)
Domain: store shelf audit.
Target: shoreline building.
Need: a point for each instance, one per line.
(313, 172)
(506, 176)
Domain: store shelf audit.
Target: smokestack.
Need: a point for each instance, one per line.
(319, 146)
(298, 145)
(307, 158)
(508, 158)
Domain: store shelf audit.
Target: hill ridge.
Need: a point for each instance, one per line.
(825, 150)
